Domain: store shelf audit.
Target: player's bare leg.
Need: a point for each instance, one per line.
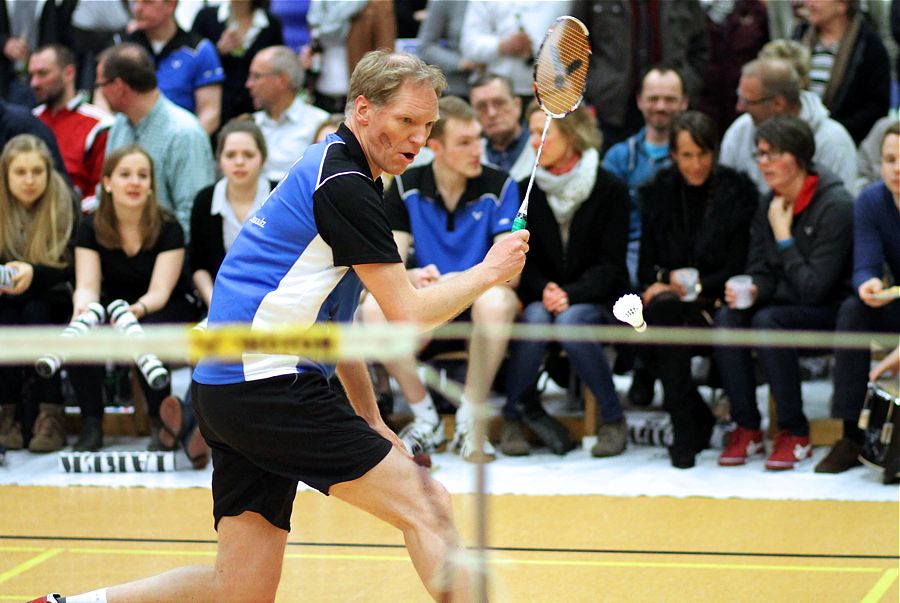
(405, 496)
(248, 567)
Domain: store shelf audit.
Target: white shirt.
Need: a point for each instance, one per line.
(288, 138)
(231, 226)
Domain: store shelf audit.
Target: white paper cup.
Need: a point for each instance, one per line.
(742, 287)
(689, 279)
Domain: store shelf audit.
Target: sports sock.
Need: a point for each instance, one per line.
(466, 410)
(95, 596)
(424, 410)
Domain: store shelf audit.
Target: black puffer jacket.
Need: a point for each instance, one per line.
(715, 245)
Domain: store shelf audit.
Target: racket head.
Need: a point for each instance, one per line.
(561, 67)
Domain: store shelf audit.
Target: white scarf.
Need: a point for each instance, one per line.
(566, 192)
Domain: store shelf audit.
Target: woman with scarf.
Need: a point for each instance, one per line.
(695, 214)
(575, 269)
(800, 259)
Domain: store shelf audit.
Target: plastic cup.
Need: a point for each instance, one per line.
(689, 279)
(742, 287)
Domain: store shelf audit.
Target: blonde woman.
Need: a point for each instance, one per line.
(129, 249)
(37, 221)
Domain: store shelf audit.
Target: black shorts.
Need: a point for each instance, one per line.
(268, 435)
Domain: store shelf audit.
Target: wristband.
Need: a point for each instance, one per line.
(784, 244)
(143, 307)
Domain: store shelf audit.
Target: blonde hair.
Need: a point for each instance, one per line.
(39, 235)
(380, 74)
(579, 127)
(793, 52)
(106, 224)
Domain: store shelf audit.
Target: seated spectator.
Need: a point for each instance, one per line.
(15, 120)
(187, 66)
(239, 29)
(80, 128)
(868, 159)
(452, 211)
(695, 214)
(221, 209)
(575, 269)
(770, 87)
(505, 145)
(329, 126)
(173, 137)
(37, 224)
(287, 122)
(850, 67)
(799, 259)
(876, 245)
(130, 249)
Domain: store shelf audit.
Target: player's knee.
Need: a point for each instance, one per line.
(431, 511)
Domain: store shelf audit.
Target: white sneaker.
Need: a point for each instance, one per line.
(422, 436)
(464, 443)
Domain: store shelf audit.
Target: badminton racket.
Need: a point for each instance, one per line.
(560, 75)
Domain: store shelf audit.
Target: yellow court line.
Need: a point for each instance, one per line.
(888, 576)
(884, 583)
(34, 561)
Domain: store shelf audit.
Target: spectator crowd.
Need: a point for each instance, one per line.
(735, 162)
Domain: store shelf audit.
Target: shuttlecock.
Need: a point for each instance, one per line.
(629, 308)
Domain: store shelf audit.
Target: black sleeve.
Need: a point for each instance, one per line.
(398, 215)
(202, 236)
(171, 236)
(86, 236)
(350, 216)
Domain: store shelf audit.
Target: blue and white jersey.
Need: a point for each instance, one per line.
(292, 262)
(452, 241)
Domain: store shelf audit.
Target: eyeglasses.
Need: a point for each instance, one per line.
(770, 155)
(255, 77)
(98, 85)
(751, 103)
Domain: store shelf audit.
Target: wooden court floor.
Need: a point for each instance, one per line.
(543, 548)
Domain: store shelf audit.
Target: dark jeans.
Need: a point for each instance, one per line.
(851, 366)
(672, 363)
(26, 310)
(587, 358)
(780, 365)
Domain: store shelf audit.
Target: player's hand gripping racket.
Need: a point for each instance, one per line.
(560, 74)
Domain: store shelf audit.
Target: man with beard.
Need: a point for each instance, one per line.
(80, 128)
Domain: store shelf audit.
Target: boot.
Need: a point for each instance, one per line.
(91, 438)
(512, 440)
(10, 430)
(703, 422)
(49, 429)
(612, 438)
(683, 450)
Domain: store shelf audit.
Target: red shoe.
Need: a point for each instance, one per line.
(47, 599)
(788, 450)
(742, 444)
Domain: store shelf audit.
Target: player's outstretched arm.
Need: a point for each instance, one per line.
(432, 306)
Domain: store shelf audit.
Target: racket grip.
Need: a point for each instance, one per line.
(519, 223)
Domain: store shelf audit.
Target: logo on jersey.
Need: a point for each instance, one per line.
(257, 221)
(477, 215)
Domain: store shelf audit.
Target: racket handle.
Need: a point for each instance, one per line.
(519, 223)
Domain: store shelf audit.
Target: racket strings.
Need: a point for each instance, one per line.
(561, 69)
